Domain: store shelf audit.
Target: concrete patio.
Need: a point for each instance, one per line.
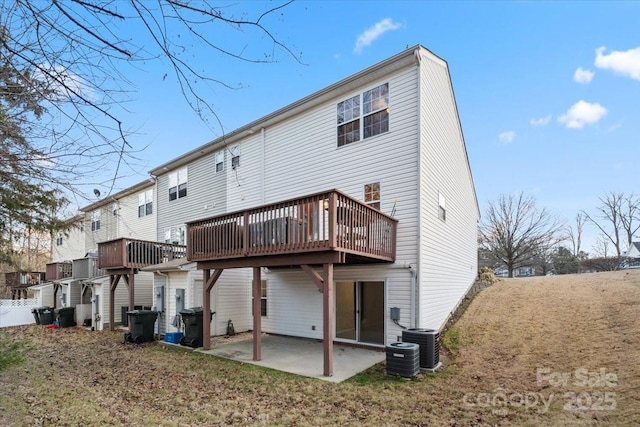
(300, 356)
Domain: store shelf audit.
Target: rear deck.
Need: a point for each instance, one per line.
(305, 230)
(322, 229)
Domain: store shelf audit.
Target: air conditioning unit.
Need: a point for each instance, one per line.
(429, 342)
(403, 359)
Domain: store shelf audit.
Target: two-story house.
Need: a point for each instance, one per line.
(344, 216)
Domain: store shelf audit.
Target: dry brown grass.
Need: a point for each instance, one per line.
(514, 328)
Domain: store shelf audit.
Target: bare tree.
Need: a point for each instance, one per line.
(79, 54)
(64, 88)
(575, 234)
(601, 246)
(617, 219)
(514, 229)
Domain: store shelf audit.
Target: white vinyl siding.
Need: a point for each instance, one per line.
(448, 257)
(295, 305)
(132, 226)
(72, 247)
(207, 195)
(125, 222)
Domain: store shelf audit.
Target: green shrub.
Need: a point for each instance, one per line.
(451, 340)
(12, 351)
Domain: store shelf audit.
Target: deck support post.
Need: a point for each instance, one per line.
(327, 319)
(257, 315)
(208, 281)
(130, 280)
(113, 284)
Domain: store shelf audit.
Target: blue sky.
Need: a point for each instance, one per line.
(548, 92)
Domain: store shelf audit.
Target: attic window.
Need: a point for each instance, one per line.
(219, 161)
(95, 220)
(145, 203)
(178, 184)
(235, 156)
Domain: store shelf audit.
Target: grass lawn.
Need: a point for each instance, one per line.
(561, 350)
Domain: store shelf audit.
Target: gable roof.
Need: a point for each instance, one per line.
(119, 195)
(634, 250)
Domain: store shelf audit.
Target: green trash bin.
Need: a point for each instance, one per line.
(192, 319)
(45, 314)
(141, 325)
(65, 316)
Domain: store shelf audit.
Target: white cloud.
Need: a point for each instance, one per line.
(507, 137)
(542, 121)
(582, 113)
(371, 34)
(583, 76)
(626, 63)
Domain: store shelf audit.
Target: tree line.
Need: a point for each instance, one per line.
(516, 233)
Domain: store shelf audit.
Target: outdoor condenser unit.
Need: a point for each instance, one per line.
(429, 342)
(403, 359)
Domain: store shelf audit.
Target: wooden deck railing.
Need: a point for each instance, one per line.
(132, 253)
(22, 280)
(329, 221)
(58, 270)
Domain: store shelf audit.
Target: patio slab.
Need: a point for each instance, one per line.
(301, 356)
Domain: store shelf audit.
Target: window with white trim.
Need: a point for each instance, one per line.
(372, 195)
(176, 235)
(95, 220)
(442, 207)
(263, 299)
(235, 156)
(145, 203)
(59, 239)
(178, 184)
(219, 161)
(374, 119)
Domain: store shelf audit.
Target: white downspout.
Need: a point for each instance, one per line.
(263, 167)
(415, 283)
(166, 308)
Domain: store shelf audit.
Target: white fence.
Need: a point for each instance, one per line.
(15, 312)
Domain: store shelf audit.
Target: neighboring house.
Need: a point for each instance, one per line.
(124, 218)
(69, 244)
(340, 207)
(632, 256)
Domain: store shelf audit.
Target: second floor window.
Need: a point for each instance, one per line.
(176, 235)
(59, 239)
(145, 203)
(178, 184)
(370, 120)
(95, 220)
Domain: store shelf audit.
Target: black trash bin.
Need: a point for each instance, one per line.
(45, 314)
(36, 314)
(192, 319)
(65, 316)
(141, 325)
